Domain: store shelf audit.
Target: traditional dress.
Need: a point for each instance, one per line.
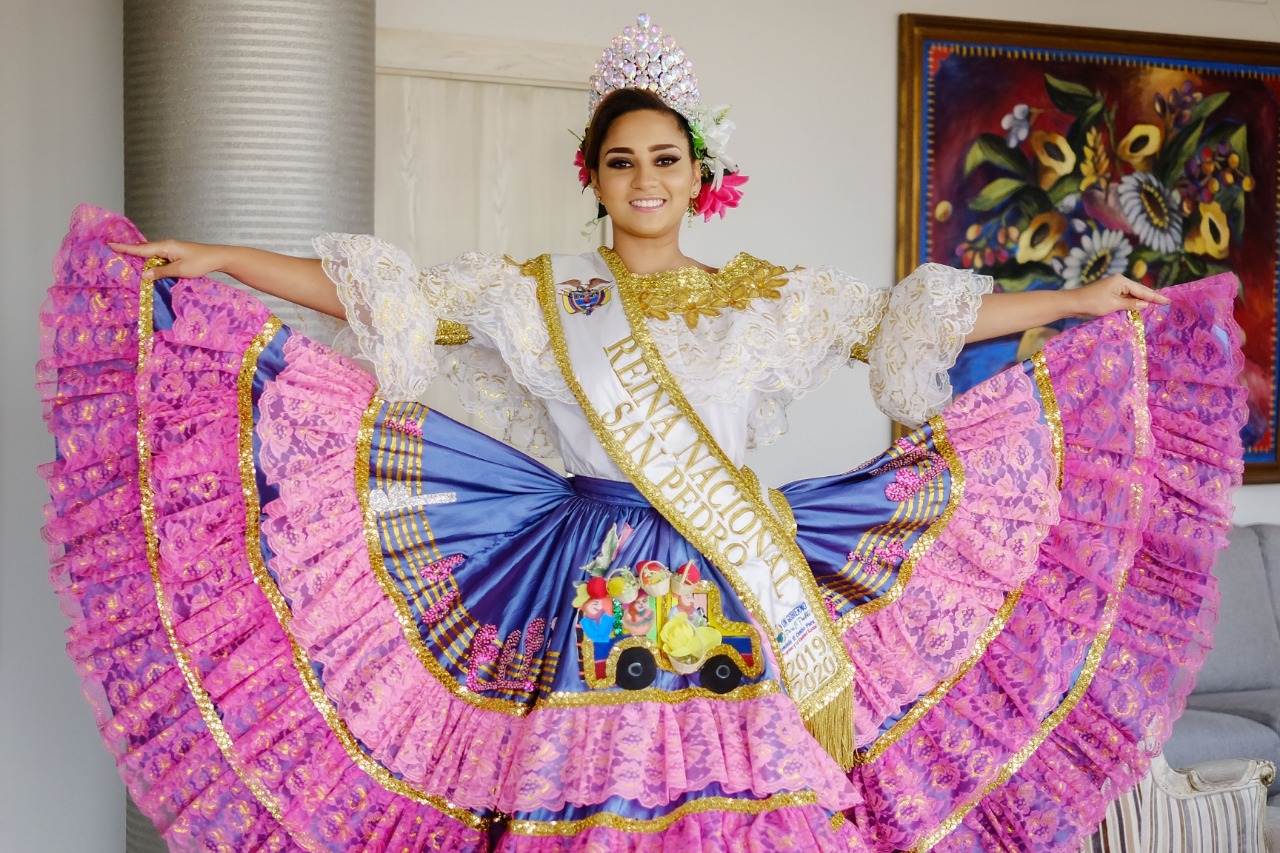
(309, 615)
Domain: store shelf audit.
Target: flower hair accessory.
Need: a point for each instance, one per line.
(643, 57)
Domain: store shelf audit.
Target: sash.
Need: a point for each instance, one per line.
(651, 432)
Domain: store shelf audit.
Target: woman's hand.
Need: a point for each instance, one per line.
(185, 259)
(1113, 293)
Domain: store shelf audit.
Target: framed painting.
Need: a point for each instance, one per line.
(1048, 157)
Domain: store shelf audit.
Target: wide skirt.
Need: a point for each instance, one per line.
(310, 618)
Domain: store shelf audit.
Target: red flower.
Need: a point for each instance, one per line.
(584, 174)
(712, 201)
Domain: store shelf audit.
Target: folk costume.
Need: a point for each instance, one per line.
(312, 614)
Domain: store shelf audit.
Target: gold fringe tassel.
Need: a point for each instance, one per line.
(832, 726)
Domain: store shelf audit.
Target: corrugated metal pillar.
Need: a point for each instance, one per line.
(249, 122)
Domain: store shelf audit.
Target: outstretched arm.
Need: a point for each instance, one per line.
(298, 280)
(1006, 313)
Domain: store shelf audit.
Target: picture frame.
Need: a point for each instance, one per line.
(1048, 156)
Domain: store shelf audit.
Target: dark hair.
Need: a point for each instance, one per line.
(615, 105)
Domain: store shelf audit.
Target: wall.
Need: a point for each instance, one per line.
(813, 87)
(60, 143)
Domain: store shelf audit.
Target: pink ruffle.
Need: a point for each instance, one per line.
(1149, 504)
(420, 730)
(149, 719)
(987, 548)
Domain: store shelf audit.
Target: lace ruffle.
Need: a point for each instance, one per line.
(928, 316)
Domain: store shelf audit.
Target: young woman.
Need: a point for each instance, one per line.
(311, 615)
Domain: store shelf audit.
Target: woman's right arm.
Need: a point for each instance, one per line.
(298, 280)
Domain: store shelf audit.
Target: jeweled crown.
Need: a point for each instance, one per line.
(643, 57)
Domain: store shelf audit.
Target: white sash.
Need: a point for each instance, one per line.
(650, 431)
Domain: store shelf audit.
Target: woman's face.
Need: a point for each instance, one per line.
(646, 176)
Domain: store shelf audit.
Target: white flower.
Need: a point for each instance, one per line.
(1097, 256)
(1017, 125)
(1152, 210)
(715, 128)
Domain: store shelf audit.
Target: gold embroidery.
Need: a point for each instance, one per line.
(658, 824)
(694, 293)
(926, 540)
(1049, 402)
(451, 334)
(861, 351)
(284, 615)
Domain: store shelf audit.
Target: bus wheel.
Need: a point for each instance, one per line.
(720, 674)
(636, 669)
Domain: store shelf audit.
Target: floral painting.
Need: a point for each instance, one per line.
(1048, 166)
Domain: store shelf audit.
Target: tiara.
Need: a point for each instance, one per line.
(643, 57)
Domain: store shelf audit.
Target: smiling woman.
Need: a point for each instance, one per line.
(351, 623)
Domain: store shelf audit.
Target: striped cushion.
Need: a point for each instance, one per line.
(1217, 807)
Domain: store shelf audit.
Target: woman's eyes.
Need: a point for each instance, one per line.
(623, 163)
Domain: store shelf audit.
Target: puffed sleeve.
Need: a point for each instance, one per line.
(482, 305)
(926, 319)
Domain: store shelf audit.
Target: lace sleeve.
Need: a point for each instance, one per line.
(391, 319)
(928, 316)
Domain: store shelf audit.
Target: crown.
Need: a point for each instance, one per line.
(643, 57)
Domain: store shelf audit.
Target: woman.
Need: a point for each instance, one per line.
(308, 616)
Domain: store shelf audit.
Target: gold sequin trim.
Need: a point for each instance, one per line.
(659, 824)
(1052, 415)
(1142, 413)
(934, 696)
(208, 711)
(747, 692)
(838, 687)
(838, 820)
(1092, 661)
(926, 540)
(694, 293)
(451, 334)
(284, 615)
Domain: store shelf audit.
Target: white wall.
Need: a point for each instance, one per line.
(60, 143)
(813, 87)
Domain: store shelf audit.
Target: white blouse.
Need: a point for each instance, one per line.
(740, 368)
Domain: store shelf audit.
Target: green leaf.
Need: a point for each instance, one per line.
(1177, 151)
(996, 193)
(1029, 275)
(1239, 142)
(1079, 130)
(1150, 256)
(1033, 201)
(1063, 187)
(1067, 96)
(991, 148)
(1206, 106)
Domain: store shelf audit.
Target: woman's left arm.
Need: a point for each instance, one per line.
(1006, 313)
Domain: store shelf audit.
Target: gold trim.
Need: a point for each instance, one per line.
(1092, 660)
(926, 539)
(208, 711)
(744, 693)
(934, 696)
(544, 828)
(1049, 403)
(838, 686)
(284, 615)
(1142, 418)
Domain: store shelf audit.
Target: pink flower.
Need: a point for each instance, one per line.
(584, 174)
(712, 201)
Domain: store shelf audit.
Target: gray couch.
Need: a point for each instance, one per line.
(1235, 709)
